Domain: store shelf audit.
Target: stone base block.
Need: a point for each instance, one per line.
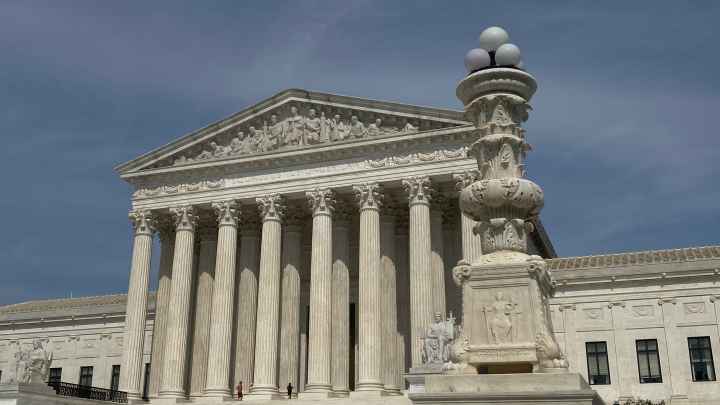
(312, 395)
(416, 377)
(512, 389)
(263, 396)
(163, 401)
(362, 395)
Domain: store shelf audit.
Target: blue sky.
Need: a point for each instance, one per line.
(624, 129)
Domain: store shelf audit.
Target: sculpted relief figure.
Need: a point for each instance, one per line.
(438, 339)
(340, 131)
(312, 127)
(499, 317)
(357, 128)
(375, 128)
(275, 132)
(294, 135)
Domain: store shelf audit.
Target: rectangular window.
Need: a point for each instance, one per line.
(701, 359)
(648, 361)
(86, 374)
(115, 377)
(55, 375)
(597, 362)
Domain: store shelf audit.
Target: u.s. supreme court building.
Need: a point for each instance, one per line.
(309, 239)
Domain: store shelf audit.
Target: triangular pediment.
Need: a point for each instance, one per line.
(294, 120)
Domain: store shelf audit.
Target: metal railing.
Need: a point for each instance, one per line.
(87, 392)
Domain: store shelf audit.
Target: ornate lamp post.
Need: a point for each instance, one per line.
(506, 352)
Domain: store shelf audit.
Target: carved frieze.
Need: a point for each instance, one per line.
(179, 184)
(692, 308)
(643, 311)
(289, 127)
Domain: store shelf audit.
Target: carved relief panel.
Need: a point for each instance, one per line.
(593, 316)
(502, 316)
(644, 314)
(695, 310)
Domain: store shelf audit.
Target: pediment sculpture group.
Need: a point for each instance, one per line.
(295, 131)
(32, 365)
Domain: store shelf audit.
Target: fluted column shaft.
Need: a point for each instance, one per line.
(322, 204)
(266, 338)
(248, 264)
(217, 383)
(136, 314)
(370, 325)
(203, 308)
(162, 298)
(471, 243)
(437, 252)
(175, 357)
(421, 278)
(292, 259)
(403, 289)
(341, 303)
(391, 372)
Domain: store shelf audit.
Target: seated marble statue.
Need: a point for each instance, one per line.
(437, 340)
(33, 366)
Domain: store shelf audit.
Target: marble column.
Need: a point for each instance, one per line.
(217, 383)
(162, 297)
(392, 377)
(246, 307)
(679, 375)
(292, 258)
(132, 360)
(471, 243)
(341, 301)
(451, 255)
(421, 277)
(369, 286)
(266, 332)
(176, 339)
(403, 287)
(437, 253)
(207, 234)
(322, 204)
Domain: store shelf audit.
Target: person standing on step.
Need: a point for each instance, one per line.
(240, 390)
(289, 390)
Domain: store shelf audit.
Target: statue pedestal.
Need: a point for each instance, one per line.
(506, 327)
(417, 375)
(511, 389)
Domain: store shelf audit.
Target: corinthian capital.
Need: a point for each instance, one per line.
(271, 207)
(227, 212)
(143, 222)
(185, 218)
(321, 201)
(465, 178)
(368, 196)
(419, 189)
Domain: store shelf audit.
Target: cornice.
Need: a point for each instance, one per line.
(67, 308)
(635, 258)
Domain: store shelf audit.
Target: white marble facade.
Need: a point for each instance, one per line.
(310, 239)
